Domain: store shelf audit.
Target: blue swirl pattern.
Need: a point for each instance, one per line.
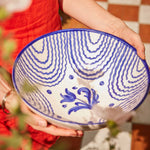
(92, 56)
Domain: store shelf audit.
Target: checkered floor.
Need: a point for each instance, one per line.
(136, 14)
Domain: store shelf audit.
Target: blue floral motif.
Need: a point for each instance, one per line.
(90, 95)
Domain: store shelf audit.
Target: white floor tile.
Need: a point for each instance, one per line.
(125, 2)
(144, 14)
(133, 25)
(103, 4)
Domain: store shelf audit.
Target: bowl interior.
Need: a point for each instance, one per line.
(64, 75)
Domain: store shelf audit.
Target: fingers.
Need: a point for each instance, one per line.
(33, 119)
(58, 131)
(134, 39)
(120, 29)
(41, 124)
(137, 43)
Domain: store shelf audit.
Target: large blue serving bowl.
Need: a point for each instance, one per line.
(63, 75)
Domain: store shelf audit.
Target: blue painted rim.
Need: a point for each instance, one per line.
(77, 29)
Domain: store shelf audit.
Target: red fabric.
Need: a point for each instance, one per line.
(40, 18)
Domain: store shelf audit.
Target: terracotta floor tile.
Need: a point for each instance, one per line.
(145, 2)
(67, 143)
(140, 137)
(72, 23)
(125, 12)
(68, 22)
(144, 31)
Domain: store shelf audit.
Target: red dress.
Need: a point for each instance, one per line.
(40, 18)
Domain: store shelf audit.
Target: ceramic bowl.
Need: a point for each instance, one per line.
(63, 75)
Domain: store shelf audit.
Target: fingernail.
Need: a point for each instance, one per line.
(77, 134)
(42, 123)
(73, 134)
(80, 133)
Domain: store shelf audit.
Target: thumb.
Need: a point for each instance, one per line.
(33, 119)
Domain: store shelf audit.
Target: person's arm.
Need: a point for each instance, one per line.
(94, 16)
(33, 120)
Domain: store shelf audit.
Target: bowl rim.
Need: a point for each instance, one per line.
(69, 30)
